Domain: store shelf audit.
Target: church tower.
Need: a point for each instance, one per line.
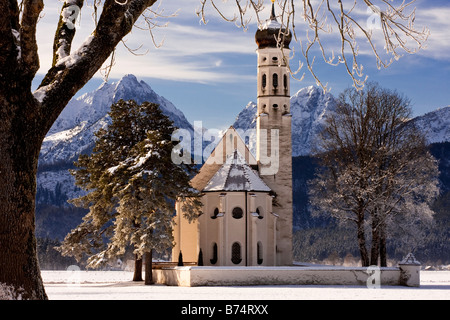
(274, 146)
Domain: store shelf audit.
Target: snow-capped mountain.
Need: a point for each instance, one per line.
(246, 121)
(309, 108)
(435, 125)
(73, 131)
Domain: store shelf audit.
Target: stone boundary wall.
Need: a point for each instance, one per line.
(403, 275)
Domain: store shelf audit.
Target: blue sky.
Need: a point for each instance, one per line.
(209, 71)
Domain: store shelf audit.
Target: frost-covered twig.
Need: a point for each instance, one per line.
(329, 22)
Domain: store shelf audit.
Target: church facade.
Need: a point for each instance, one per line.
(246, 216)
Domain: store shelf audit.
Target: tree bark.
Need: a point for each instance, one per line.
(383, 253)
(375, 250)
(20, 142)
(137, 269)
(148, 268)
(362, 243)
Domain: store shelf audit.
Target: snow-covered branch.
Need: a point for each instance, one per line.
(28, 45)
(66, 29)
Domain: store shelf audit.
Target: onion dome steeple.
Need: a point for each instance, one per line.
(269, 35)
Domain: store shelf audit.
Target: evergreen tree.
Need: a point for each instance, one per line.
(132, 187)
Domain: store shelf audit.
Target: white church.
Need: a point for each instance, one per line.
(244, 232)
(246, 216)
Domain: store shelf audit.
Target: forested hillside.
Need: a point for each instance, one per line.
(319, 239)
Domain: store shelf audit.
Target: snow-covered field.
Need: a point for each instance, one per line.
(108, 285)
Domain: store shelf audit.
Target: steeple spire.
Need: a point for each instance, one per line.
(272, 15)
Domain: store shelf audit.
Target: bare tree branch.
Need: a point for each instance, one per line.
(9, 34)
(340, 20)
(66, 29)
(28, 45)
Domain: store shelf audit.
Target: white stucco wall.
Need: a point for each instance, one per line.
(235, 276)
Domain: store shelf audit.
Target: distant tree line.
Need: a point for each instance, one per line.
(55, 222)
(319, 238)
(56, 165)
(56, 197)
(336, 242)
(51, 259)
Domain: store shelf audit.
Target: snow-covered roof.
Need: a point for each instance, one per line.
(272, 24)
(236, 175)
(267, 36)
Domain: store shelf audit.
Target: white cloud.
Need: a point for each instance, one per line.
(190, 40)
(167, 67)
(190, 50)
(195, 52)
(437, 20)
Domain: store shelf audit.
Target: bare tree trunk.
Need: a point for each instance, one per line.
(362, 244)
(137, 261)
(148, 268)
(383, 253)
(20, 143)
(137, 269)
(375, 250)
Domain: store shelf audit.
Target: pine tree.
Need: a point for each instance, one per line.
(132, 187)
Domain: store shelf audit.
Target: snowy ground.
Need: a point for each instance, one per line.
(108, 285)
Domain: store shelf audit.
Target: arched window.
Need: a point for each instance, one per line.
(259, 212)
(237, 213)
(285, 81)
(214, 259)
(264, 80)
(216, 212)
(259, 253)
(275, 80)
(236, 253)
